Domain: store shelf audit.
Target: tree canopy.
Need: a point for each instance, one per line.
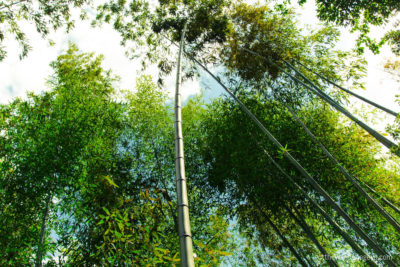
(87, 170)
(45, 15)
(360, 15)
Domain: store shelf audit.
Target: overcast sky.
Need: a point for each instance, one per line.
(18, 76)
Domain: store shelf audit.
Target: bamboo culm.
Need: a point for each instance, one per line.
(282, 237)
(335, 226)
(383, 140)
(389, 111)
(39, 253)
(286, 242)
(387, 202)
(378, 250)
(314, 89)
(185, 235)
(306, 228)
(348, 176)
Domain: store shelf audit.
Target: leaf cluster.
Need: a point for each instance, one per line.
(359, 15)
(45, 15)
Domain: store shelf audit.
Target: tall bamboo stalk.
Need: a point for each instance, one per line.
(391, 112)
(285, 241)
(373, 245)
(384, 200)
(185, 236)
(348, 176)
(306, 228)
(321, 94)
(39, 253)
(314, 89)
(336, 227)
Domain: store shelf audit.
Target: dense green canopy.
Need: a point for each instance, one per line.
(107, 168)
(87, 171)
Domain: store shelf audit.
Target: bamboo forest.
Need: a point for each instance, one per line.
(245, 136)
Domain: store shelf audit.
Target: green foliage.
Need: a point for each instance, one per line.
(239, 169)
(261, 29)
(45, 15)
(133, 232)
(394, 128)
(393, 38)
(108, 165)
(271, 32)
(393, 67)
(206, 21)
(50, 141)
(144, 27)
(217, 34)
(108, 169)
(359, 15)
(351, 12)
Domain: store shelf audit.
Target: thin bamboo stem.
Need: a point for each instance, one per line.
(335, 226)
(348, 176)
(306, 228)
(391, 112)
(39, 253)
(378, 250)
(285, 241)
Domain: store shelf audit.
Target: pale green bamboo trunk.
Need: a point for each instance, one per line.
(185, 236)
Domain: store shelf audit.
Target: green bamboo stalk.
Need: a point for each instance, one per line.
(387, 202)
(348, 176)
(39, 253)
(310, 263)
(286, 242)
(391, 112)
(185, 235)
(282, 237)
(383, 140)
(378, 250)
(335, 226)
(306, 228)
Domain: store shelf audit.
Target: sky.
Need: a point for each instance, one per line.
(381, 86)
(30, 74)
